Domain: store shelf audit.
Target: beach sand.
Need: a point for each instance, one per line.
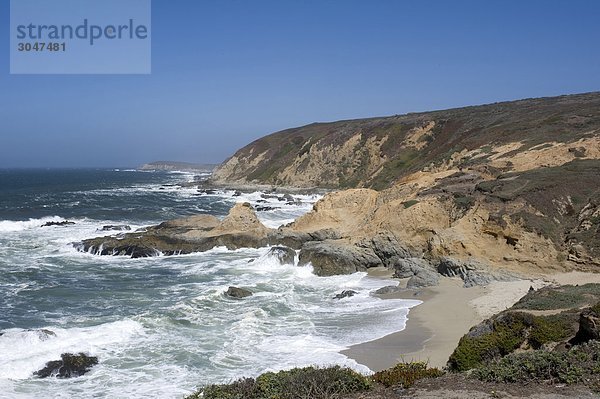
(447, 313)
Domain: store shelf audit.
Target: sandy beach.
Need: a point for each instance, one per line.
(448, 312)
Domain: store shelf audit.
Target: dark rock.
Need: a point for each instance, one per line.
(235, 292)
(237, 194)
(345, 294)
(69, 366)
(386, 247)
(471, 272)
(264, 208)
(295, 239)
(332, 257)
(65, 223)
(408, 267)
(423, 278)
(390, 289)
(285, 255)
(589, 326)
(483, 328)
(261, 201)
(45, 334)
(122, 227)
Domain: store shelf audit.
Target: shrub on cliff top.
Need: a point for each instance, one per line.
(298, 383)
(508, 333)
(580, 364)
(405, 374)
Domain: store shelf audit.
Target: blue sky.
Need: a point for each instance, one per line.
(226, 72)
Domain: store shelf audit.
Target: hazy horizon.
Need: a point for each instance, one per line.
(225, 74)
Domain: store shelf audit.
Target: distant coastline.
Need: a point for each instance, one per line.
(178, 166)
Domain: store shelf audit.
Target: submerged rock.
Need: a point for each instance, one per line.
(236, 292)
(285, 255)
(70, 365)
(65, 223)
(345, 294)
(115, 228)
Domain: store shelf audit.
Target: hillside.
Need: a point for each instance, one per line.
(378, 152)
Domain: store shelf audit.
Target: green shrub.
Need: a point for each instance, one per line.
(298, 383)
(508, 333)
(553, 328)
(406, 374)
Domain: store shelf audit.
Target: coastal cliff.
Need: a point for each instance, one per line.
(379, 152)
(512, 186)
(484, 193)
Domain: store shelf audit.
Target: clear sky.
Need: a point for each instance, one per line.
(226, 72)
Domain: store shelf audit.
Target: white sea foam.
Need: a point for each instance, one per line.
(11, 225)
(187, 332)
(25, 351)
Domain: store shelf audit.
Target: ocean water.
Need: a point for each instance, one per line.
(160, 326)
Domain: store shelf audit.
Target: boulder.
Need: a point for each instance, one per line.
(423, 278)
(236, 292)
(408, 267)
(334, 257)
(390, 289)
(345, 294)
(70, 365)
(285, 255)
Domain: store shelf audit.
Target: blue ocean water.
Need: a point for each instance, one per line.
(159, 326)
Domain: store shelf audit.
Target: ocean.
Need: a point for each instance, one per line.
(161, 326)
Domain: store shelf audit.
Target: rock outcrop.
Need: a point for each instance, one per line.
(331, 257)
(70, 365)
(240, 229)
(285, 255)
(238, 293)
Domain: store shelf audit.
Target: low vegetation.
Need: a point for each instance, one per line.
(564, 297)
(579, 364)
(316, 383)
(298, 383)
(405, 374)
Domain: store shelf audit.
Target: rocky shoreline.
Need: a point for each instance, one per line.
(325, 249)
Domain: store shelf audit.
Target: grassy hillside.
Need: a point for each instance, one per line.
(378, 152)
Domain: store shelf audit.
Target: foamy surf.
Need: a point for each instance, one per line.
(162, 326)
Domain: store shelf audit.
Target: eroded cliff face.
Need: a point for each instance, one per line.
(380, 152)
(512, 185)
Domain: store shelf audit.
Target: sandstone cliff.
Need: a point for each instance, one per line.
(379, 152)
